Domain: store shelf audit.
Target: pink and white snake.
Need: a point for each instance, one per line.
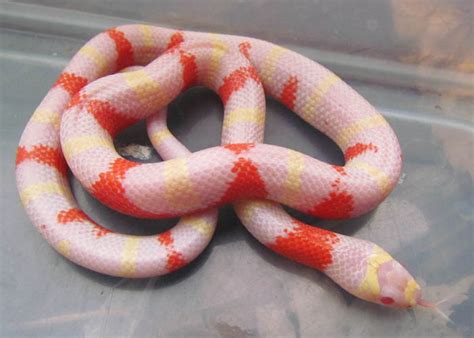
(133, 72)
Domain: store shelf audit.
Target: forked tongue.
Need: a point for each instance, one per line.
(434, 307)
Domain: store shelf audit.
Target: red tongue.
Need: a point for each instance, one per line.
(426, 303)
(434, 307)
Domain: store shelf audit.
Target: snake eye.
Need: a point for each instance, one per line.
(387, 300)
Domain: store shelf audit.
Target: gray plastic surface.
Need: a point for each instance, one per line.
(237, 287)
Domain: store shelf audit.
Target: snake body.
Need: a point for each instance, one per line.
(133, 72)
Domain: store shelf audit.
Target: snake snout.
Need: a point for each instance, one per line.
(397, 287)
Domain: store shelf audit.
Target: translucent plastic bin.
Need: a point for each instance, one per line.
(412, 60)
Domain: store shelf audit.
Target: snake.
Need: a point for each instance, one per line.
(131, 73)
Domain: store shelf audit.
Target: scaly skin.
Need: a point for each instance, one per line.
(85, 109)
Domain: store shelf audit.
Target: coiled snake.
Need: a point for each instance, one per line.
(133, 72)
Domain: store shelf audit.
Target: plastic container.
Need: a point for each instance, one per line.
(412, 60)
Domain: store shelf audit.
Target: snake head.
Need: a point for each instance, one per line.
(397, 286)
(387, 282)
